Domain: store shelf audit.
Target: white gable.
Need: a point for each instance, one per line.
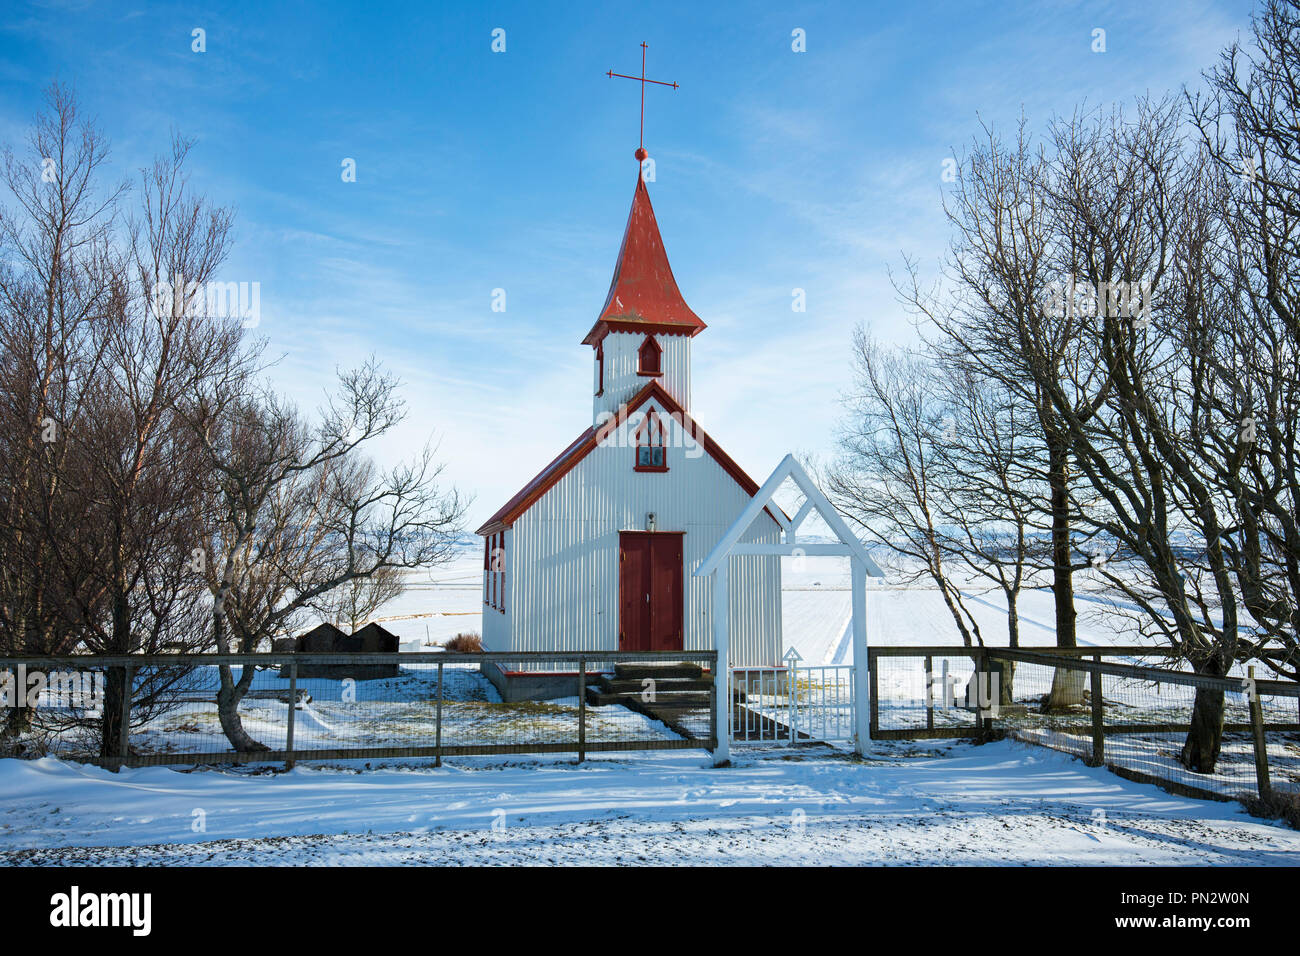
(565, 594)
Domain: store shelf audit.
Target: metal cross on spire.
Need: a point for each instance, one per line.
(640, 150)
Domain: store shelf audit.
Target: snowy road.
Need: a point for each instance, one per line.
(935, 803)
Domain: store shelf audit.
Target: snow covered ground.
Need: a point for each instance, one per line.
(1003, 803)
(918, 802)
(390, 712)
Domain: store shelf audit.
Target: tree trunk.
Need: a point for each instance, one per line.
(231, 692)
(1062, 576)
(17, 722)
(1205, 736)
(1007, 674)
(1067, 685)
(228, 698)
(962, 629)
(110, 722)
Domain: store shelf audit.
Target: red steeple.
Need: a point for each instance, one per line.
(643, 296)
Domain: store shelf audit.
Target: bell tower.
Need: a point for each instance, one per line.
(644, 330)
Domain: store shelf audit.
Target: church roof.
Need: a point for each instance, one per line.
(590, 439)
(643, 294)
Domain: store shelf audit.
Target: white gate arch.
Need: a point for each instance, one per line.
(848, 546)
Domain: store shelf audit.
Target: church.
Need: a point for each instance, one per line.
(597, 551)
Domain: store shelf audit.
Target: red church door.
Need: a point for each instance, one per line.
(651, 601)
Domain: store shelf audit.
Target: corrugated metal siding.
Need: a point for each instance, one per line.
(563, 554)
(621, 380)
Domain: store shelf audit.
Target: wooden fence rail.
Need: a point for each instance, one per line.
(586, 663)
(1093, 724)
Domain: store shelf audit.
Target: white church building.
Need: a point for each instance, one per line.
(597, 551)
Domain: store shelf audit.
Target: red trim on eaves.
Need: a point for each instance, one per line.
(602, 329)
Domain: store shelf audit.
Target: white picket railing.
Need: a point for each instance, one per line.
(783, 705)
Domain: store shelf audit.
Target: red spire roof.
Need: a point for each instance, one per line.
(643, 294)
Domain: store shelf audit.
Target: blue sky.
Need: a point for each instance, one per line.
(476, 170)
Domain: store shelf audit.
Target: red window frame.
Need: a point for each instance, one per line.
(501, 575)
(494, 581)
(650, 436)
(649, 357)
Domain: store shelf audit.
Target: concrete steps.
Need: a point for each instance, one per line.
(661, 685)
(675, 685)
(674, 699)
(678, 689)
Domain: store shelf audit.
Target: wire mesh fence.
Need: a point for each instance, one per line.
(904, 704)
(1103, 706)
(1142, 722)
(294, 707)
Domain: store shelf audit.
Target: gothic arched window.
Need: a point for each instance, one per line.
(650, 452)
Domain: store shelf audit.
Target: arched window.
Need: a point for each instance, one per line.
(600, 369)
(648, 357)
(650, 452)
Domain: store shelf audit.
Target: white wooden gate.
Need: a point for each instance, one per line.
(792, 704)
(860, 566)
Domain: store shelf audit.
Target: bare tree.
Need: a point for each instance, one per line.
(1250, 353)
(302, 513)
(351, 605)
(992, 316)
(55, 288)
(1084, 286)
(153, 494)
(143, 476)
(1132, 206)
(888, 475)
(993, 481)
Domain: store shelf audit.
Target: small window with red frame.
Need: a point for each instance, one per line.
(649, 357)
(494, 573)
(651, 454)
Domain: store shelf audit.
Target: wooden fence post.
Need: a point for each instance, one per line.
(437, 740)
(874, 692)
(124, 731)
(861, 682)
(1098, 717)
(929, 692)
(1261, 746)
(983, 682)
(293, 709)
(582, 710)
(723, 696)
(713, 705)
